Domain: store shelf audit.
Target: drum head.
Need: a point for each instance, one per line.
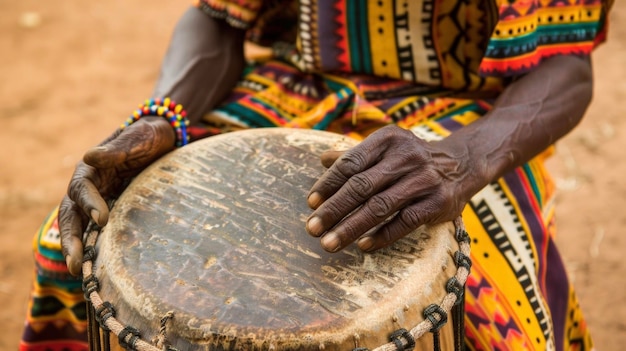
(214, 232)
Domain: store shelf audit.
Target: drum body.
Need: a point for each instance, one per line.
(212, 237)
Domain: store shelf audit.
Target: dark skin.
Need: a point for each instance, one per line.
(392, 172)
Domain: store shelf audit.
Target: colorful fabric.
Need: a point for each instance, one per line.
(461, 45)
(528, 32)
(56, 319)
(527, 302)
(364, 64)
(438, 43)
(266, 21)
(518, 294)
(238, 13)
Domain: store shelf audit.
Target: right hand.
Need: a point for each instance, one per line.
(102, 174)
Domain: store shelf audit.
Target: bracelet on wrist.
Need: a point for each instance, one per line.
(168, 109)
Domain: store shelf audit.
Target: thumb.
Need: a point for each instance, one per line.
(141, 142)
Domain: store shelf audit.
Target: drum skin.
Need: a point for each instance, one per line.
(214, 232)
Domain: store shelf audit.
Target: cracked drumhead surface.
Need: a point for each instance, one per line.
(215, 233)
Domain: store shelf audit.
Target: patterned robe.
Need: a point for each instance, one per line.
(430, 66)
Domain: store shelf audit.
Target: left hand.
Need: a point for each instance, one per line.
(391, 175)
(102, 174)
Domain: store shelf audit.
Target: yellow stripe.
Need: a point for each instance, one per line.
(64, 315)
(348, 83)
(380, 17)
(261, 111)
(581, 14)
(400, 105)
(65, 297)
(437, 128)
(466, 118)
(545, 17)
(44, 228)
(521, 218)
(504, 280)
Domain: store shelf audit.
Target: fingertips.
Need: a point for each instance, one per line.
(329, 157)
(87, 197)
(71, 229)
(99, 217)
(314, 226)
(385, 234)
(103, 157)
(315, 200)
(331, 242)
(74, 258)
(366, 243)
(376, 241)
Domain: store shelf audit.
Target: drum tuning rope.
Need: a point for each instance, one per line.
(435, 316)
(103, 312)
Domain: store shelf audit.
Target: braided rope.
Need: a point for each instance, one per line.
(448, 301)
(116, 327)
(94, 297)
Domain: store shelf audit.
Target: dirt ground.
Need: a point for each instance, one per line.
(69, 70)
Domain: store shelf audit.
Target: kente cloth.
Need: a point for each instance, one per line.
(429, 66)
(57, 315)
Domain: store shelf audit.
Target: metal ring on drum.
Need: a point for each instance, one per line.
(206, 250)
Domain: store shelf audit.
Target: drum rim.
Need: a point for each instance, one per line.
(95, 301)
(113, 325)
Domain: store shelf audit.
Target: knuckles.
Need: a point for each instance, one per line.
(381, 206)
(360, 186)
(411, 218)
(350, 163)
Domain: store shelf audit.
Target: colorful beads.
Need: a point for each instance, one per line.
(168, 109)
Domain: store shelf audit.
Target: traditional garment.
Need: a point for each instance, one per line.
(430, 66)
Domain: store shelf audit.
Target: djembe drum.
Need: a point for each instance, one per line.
(206, 250)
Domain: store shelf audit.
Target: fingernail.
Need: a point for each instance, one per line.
(331, 242)
(314, 226)
(100, 148)
(95, 215)
(365, 244)
(72, 268)
(314, 200)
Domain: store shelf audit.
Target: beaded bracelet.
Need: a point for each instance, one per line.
(168, 109)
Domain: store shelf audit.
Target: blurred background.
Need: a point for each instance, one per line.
(71, 71)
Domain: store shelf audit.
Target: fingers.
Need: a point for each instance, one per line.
(349, 164)
(102, 173)
(329, 157)
(355, 191)
(361, 157)
(83, 192)
(137, 146)
(375, 211)
(71, 224)
(382, 189)
(405, 222)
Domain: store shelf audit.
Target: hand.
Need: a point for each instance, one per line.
(102, 174)
(386, 187)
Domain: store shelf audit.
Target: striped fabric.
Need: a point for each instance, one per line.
(518, 294)
(363, 64)
(56, 319)
(529, 31)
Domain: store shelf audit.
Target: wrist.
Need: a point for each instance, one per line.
(168, 109)
(471, 170)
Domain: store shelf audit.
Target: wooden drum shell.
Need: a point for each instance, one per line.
(214, 232)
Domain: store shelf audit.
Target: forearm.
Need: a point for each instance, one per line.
(203, 63)
(529, 116)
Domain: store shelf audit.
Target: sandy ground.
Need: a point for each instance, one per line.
(69, 70)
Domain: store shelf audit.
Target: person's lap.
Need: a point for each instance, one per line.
(517, 296)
